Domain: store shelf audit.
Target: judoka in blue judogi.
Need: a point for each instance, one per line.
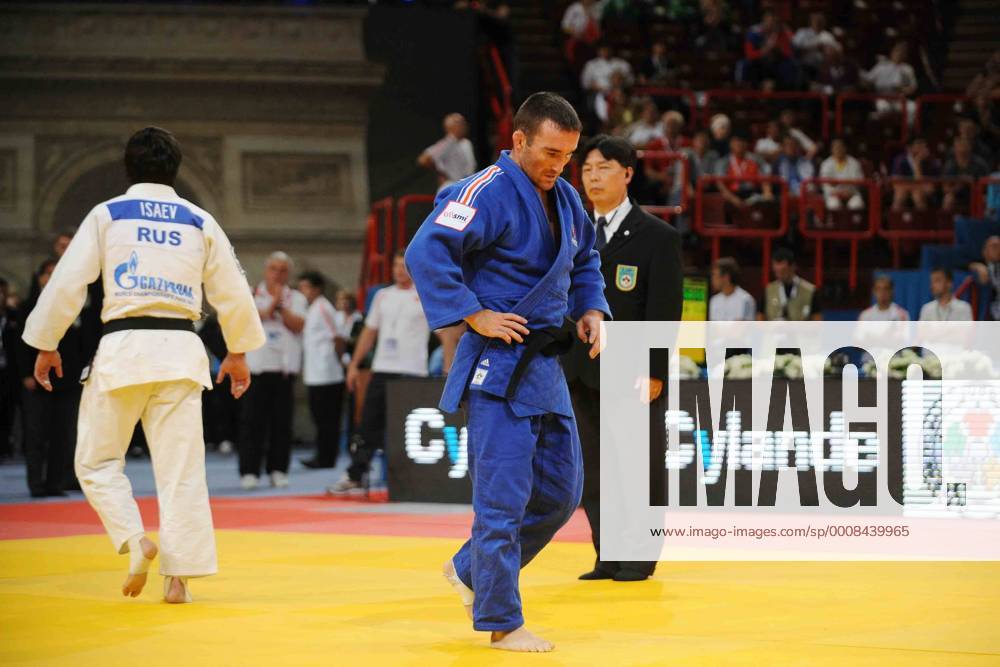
(491, 255)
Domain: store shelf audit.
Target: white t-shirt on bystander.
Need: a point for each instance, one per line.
(321, 366)
(894, 313)
(956, 311)
(282, 353)
(736, 307)
(403, 332)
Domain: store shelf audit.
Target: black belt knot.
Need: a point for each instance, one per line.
(549, 342)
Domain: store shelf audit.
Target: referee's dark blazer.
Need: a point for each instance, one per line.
(648, 249)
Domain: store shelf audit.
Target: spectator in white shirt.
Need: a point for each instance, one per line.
(396, 319)
(647, 127)
(884, 309)
(596, 76)
(322, 373)
(769, 146)
(945, 307)
(452, 156)
(810, 40)
(582, 20)
(268, 411)
(582, 25)
(892, 75)
(730, 301)
(840, 165)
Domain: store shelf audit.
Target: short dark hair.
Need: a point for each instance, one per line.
(945, 271)
(544, 106)
(69, 231)
(884, 278)
(314, 278)
(783, 255)
(152, 155)
(351, 299)
(612, 148)
(728, 266)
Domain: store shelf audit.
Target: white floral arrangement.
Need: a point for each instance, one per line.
(688, 368)
(899, 364)
(739, 367)
(788, 366)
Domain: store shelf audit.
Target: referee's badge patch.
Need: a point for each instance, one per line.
(625, 277)
(456, 216)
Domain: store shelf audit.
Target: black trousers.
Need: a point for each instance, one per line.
(221, 414)
(9, 390)
(267, 424)
(371, 432)
(325, 405)
(587, 408)
(50, 438)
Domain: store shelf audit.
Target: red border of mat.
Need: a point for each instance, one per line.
(300, 514)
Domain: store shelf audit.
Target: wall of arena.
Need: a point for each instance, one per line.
(270, 105)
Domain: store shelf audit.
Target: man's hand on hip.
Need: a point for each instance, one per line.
(44, 362)
(235, 366)
(506, 326)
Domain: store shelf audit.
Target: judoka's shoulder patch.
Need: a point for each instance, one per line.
(456, 216)
(479, 376)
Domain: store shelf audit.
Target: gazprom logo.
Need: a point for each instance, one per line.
(127, 277)
(125, 273)
(453, 441)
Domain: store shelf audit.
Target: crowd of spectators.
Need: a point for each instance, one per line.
(621, 59)
(789, 297)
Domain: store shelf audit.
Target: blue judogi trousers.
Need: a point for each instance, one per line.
(527, 478)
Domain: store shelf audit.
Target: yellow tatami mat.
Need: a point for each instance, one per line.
(322, 599)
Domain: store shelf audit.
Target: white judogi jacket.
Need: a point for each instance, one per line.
(154, 251)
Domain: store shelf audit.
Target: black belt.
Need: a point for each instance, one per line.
(549, 342)
(148, 323)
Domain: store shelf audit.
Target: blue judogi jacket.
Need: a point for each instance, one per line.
(488, 244)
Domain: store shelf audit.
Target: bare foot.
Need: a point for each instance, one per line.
(520, 640)
(138, 567)
(175, 590)
(464, 591)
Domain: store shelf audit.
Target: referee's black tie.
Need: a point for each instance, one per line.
(602, 237)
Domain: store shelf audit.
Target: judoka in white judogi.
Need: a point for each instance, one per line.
(153, 251)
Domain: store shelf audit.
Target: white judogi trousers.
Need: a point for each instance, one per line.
(171, 418)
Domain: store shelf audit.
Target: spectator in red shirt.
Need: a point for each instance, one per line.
(768, 54)
(741, 163)
(667, 175)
